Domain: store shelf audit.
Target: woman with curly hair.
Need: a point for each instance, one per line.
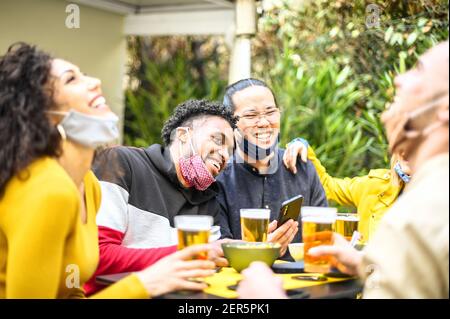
(52, 118)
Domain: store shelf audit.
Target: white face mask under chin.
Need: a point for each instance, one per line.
(89, 130)
(404, 131)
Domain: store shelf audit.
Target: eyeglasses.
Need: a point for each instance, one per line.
(253, 118)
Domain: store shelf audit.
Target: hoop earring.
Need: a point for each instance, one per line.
(61, 131)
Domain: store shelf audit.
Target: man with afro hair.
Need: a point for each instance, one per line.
(143, 189)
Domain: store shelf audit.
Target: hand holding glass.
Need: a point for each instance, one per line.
(317, 228)
(193, 230)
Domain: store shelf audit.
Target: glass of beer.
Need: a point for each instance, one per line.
(255, 224)
(346, 224)
(317, 230)
(193, 230)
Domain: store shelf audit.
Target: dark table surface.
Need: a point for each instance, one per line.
(337, 290)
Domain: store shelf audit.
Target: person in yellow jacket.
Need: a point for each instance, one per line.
(372, 195)
(52, 118)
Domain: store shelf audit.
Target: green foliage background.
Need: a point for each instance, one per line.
(331, 73)
(164, 72)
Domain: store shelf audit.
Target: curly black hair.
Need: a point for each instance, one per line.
(25, 94)
(186, 112)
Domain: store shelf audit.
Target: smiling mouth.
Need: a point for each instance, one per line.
(218, 165)
(97, 102)
(263, 136)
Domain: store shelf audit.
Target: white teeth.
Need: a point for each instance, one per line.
(263, 136)
(215, 164)
(99, 101)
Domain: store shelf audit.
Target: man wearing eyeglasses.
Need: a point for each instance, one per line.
(255, 176)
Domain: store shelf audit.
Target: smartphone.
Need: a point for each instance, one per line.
(290, 209)
(289, 268)
(310, 278)
(234, 287)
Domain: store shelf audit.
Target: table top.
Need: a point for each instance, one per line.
(332, 288)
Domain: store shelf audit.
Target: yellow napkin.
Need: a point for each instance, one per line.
(228, 276)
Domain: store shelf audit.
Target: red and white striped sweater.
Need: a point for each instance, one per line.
(140, 196)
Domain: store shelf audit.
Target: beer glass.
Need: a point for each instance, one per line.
(346, 224)
(255, 224)
(193, 230)
(317, 230)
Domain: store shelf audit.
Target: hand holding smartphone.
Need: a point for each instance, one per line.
(290, 209)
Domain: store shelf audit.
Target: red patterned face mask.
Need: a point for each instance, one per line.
(195, 172)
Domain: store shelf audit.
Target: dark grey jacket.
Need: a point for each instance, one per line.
(241, 186)
(149, 178)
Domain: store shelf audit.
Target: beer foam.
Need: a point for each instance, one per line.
(348, 217)
(255, 213)
(319, 215)
(318, 220)
(193, 222)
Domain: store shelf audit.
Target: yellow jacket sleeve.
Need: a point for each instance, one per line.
(341, 190)
(130, 287)
(36, 240)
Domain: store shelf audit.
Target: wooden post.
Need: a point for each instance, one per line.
(240, 63)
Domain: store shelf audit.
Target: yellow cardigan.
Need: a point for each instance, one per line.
(46, 251)
(372, 195)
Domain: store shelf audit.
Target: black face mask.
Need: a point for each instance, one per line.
(253, 150)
